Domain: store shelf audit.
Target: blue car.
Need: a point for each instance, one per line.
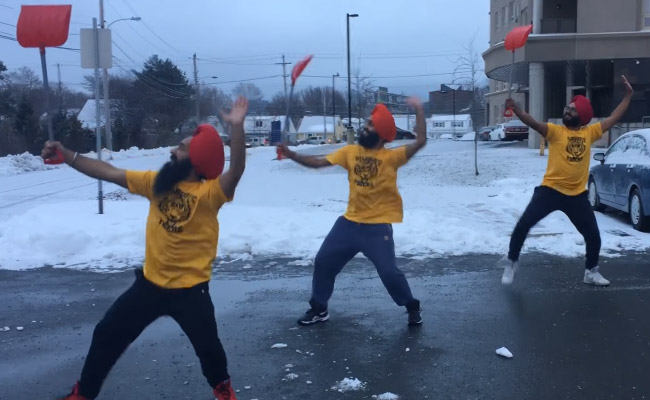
(622, 179)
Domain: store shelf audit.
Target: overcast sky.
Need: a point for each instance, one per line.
(409, 46)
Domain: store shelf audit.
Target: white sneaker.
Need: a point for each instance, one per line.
(509, 270)
(593, 277)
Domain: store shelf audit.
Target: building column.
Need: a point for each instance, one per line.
(536, 98)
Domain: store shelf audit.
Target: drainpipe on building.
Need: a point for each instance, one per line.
(536, 84)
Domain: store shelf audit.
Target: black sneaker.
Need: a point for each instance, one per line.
(314, 316)
(413, 310)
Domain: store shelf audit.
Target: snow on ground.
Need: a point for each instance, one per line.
(386, 396)
(283, 209)
(349, 384)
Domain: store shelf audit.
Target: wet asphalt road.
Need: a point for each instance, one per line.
(569, 340)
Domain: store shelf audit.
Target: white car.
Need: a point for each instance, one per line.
(315, 140)
(497, 133)
(512, 130)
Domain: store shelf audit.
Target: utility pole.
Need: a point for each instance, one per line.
(58, 69)
(284, 78)
(334, 106)
(98, 138)
(196, 86)
(107, 105)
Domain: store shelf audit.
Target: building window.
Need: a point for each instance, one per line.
(524, 17)
(503, 16)
(496, 20)
(511, 11)
(438, 124)
(457, 124)
(646, 14)
(258, 124)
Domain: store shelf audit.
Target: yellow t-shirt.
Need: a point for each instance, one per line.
(374, 198)
(568, 157)
(182, 230)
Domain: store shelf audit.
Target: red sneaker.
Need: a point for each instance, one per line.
(224, 391)
(74, 395)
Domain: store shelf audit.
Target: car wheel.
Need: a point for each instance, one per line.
(594, 199)
(639, 221)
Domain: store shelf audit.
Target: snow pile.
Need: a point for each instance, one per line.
(22, 163)
(386, 396)
(349, 384)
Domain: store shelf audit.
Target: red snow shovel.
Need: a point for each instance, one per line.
(515, 39)
(295, 73)
(44, 26)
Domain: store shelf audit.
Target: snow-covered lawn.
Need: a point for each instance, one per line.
(50, 214)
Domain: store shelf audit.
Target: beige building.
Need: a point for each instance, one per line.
(577, 47)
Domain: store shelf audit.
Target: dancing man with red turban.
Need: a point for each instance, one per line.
(181, 244)
(565, 181)
(374, 205)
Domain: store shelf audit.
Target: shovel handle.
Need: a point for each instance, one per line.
(57, 159)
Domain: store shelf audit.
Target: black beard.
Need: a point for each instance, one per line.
(170, 174)
(368, 139)
(571, 122)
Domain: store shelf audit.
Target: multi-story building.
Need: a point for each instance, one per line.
(577, 47)
(396, 103)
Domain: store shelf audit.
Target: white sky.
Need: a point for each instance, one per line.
(243, 39)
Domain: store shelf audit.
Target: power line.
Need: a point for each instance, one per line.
(244, 80)
(123, 52)
(125, 41)
(143, 22)
(231, 62)
(381, 77)
(135, 30)
(4, 23)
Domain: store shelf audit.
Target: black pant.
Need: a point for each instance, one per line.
(546, 200)
(344, 241)
(139, 306)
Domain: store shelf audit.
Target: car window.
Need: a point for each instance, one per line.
(617, 147)
(630, 150)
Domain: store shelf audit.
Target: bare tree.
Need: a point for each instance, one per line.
(24, 78)
(363, 95)
(469, 73)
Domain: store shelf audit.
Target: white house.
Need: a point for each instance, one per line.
(260, 125)
(456, 125)
(87, 115)
(405, 122)
(317, 125)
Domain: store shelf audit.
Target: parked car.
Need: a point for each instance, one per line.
(497, 132)
(484, 133)
(622, 179)
(256, 141)
(512, 130)
(315, 140)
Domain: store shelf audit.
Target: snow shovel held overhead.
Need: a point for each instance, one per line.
(41, 27)
(295, 73)
(515, 39)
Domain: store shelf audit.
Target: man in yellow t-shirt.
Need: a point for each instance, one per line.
(181, 244)
(374, 204)
(563, 187)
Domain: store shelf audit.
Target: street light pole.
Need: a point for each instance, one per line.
(453, 99)
(350, 135)
(334, 106)
(107, 104)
